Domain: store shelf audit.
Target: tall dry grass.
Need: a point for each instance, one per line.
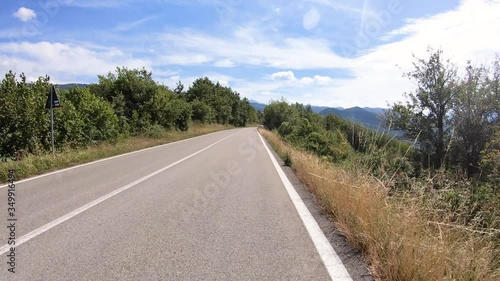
(393, 233)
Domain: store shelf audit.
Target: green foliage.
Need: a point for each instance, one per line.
(287, 159)
(154, 131)
(328, 144)
(127, 102)
(490, 160)
(225, 105)
(82, 120)
(451, 118)
(277, 112)
(464, 202)
(136, 86)
(475, 117)
(306, 131)
(24, 122)
(182, 112)
(393, 163)
(426, 114)
(85, 118)
(330, 137)
(202, 112)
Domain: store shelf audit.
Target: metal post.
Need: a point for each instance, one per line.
(52, 119)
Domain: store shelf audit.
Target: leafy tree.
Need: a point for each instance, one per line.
(226, 104)
(490, 159)
(475, 112)
(24, 121)
(86, 117)
(183, 113)
(202, 89)
(160, 108)
(426, 115)
(129, 88)
(179, 89)
(202, 112)
(249, 112)
(277, 112)
(332, 122)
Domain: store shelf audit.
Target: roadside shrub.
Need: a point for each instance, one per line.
(154, 131)
(183, 114)
(85, 118)
(202, 112)
(24, 122)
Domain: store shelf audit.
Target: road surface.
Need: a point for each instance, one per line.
(213, 207)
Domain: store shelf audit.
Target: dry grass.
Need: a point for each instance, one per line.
(38, 164)
(394, 235)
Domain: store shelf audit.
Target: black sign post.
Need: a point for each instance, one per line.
(52, 102)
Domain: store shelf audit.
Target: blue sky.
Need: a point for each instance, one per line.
(321, 52)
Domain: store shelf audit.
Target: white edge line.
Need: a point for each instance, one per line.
(331, 260)
(4, 249)
(109, 158)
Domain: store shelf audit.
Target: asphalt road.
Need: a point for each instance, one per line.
(209, 208)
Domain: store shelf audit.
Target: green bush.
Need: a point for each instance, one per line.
(183, 116)
(154, 131)
(24, 121)
(277, 112)
(84, 119)
(202, 112)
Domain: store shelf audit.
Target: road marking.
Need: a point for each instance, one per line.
(105, 159)
(85, 207)
(331, 260)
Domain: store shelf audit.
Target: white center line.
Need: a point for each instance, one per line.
(331, 260)
(4, 249)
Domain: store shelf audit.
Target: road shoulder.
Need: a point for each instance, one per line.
(351, 257)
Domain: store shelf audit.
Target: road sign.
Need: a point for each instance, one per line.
(52, 102)
(52, 96)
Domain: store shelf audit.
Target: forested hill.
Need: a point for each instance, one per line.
(71, 85)
(356, 114)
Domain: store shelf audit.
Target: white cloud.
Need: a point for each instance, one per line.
(463, 34)
(289, 76)
(224, 63)
(283, 75)
(184, 59)
(64, 62)
(25, 14)
(10, 33)
(224, 80)
(466, 33)
(322, 79)
(248, 46)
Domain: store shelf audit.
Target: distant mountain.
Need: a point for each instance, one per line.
(376, 110)
(258, 106)
(318, 109)
(367, 116)
(356, 114)
(70, 86)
